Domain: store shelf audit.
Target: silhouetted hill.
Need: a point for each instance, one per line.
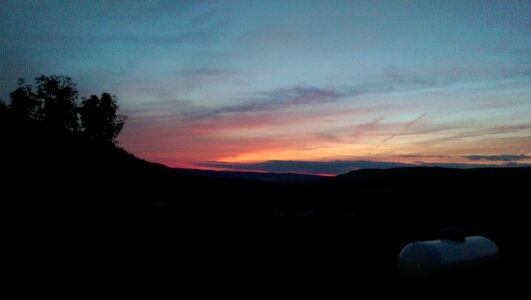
(266, 177)
(439, 193)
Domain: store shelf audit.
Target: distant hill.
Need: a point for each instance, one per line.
(264, 177)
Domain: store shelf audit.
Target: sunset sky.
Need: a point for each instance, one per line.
(319, 87)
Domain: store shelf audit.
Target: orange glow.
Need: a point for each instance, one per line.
(329, 134)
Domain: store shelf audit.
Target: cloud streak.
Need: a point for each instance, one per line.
(336, 167)
(508, 157)
(409, 124)
(406, 126)
(286, 97)
(275, 100)
(481, 132)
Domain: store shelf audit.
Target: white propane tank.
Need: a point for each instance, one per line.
(446, 255)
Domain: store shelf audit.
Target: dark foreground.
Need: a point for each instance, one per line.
(112, 220)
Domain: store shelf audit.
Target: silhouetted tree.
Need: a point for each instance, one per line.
(3, 107)
(59, 95)
(100, 120)
(4, 111)
(24, 103)
(51, 108)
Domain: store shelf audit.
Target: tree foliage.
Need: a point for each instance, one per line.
(3, 107)
(100, 119)
(58, 95)
(24, 102)
(4, 110)
(53, 105)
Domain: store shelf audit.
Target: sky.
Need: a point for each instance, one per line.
(320, 87)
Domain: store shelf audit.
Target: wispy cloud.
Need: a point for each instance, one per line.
(338, 166)
(470, 166)
(274, 100)
(424, 156)
(399, 78)
(327, 137)
(203, 72)
(363, 128)
(302, 95)
(507, 157)
(406, 126)
(409, 124)
(200, 78)
(480, 132)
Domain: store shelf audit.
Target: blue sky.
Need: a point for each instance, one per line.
(247, 82)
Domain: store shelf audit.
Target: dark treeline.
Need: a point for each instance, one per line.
(52, 107)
